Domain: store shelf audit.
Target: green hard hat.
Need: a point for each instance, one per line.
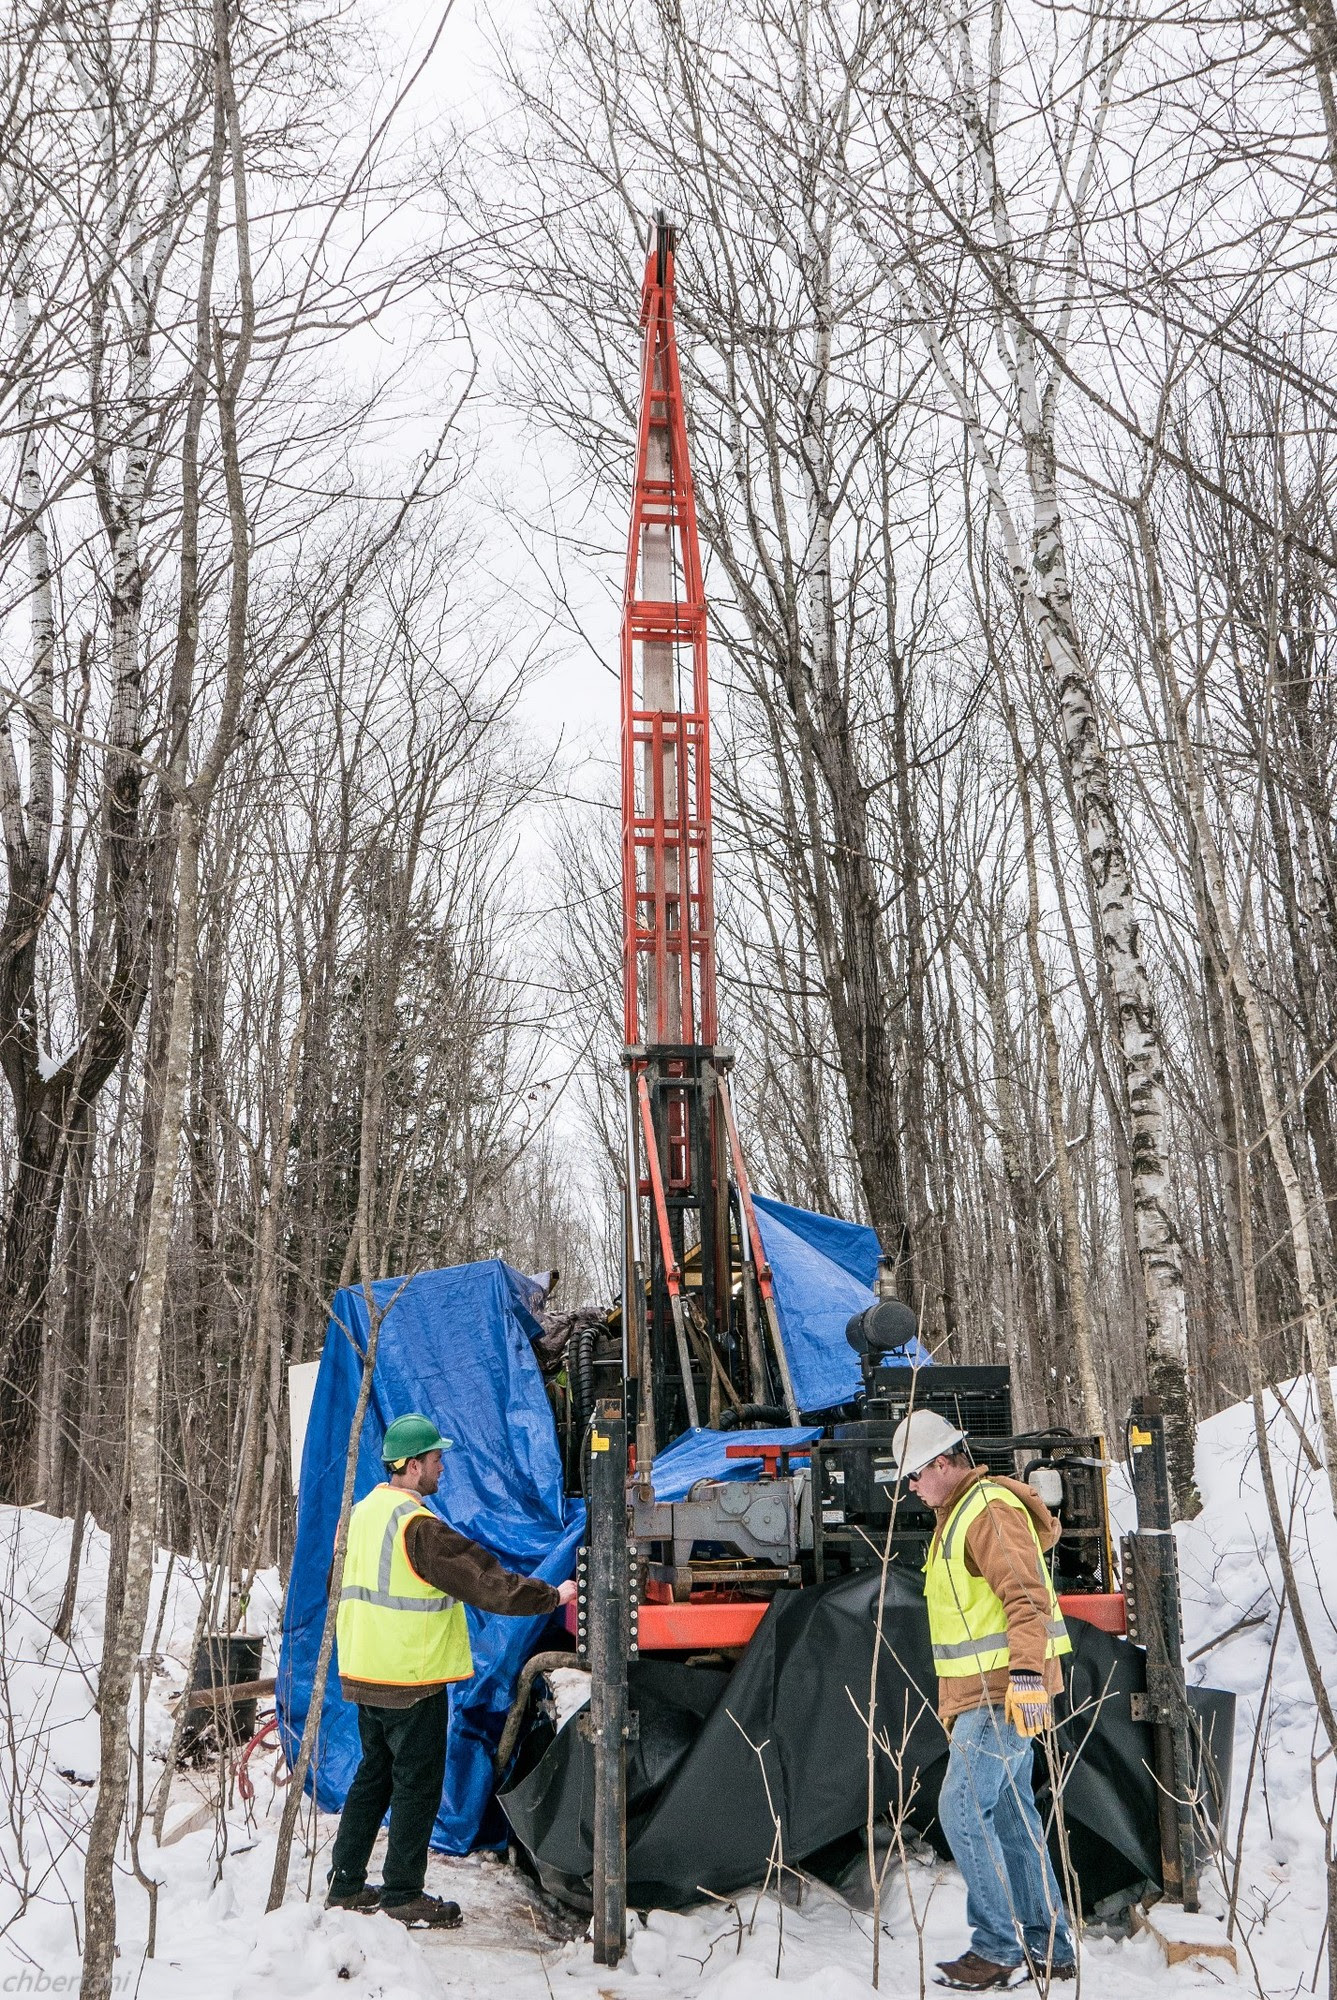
(412, 1437)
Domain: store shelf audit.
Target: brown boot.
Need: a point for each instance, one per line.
(425, 1913)
(972, 1974)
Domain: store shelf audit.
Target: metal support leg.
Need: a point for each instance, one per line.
(1151, 1579)
(608, 1616)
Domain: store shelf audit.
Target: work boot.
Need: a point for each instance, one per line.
(365, 1898)
(972, 1974)
(1042, 1973)
(425, 1913)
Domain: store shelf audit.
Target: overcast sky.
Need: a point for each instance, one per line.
(574, 702)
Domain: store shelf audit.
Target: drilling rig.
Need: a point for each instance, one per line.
(692, 1572)
(701, 1331)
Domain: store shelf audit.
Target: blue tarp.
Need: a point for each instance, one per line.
(852, 1246)
(700, 1454)
(455, 1345)
(824, 1271)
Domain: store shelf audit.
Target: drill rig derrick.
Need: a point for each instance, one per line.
(688, 1350)
(695, 1296)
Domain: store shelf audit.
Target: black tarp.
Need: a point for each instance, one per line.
(702, 1800)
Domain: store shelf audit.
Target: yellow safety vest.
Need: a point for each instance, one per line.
(393, 1628)
(966, 1620)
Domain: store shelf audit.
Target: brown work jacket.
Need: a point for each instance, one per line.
(1000, 1547)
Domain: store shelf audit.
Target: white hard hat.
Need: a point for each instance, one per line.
(922, 1437)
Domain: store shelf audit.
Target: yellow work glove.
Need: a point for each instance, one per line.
(1027, 1706)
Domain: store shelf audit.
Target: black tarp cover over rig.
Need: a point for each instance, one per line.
(702, 1801)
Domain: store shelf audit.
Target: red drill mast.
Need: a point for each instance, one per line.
(689, 1349)
(667, 898)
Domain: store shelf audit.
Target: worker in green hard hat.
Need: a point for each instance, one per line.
(402, 1640)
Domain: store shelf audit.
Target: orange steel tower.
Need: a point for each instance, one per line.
(668, 905)
(689, 1339)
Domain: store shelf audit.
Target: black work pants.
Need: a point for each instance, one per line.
(403, 1766)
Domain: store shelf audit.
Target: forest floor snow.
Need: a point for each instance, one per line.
(214, 1941)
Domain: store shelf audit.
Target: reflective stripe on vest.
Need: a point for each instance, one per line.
(967, 1622)
(381, 1593)
(377, 1641)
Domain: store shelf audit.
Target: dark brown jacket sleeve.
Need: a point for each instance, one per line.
(1002, 1547)
(452, 1563)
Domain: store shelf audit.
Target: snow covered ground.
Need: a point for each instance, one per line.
(215, 1943)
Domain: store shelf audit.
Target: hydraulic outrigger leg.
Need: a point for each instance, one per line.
(1151, 1589)
(607, 1627)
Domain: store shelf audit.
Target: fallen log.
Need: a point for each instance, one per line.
(224, 1696)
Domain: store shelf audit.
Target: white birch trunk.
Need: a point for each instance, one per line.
(126, 1633)
(1044, 592)
(1139, 1029)
(116, 1684)
(1073, 1266)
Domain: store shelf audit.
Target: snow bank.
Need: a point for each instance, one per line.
(1231, 1585)
(215, 1943)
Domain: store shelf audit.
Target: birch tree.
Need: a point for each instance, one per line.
(128, 212)
(224, 372)
(1029, 282)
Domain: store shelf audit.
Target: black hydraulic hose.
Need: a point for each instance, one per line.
(580, 1373)
(585, 1457)
(538, 1663)
(748, 1415)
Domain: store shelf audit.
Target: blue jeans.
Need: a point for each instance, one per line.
(991, 1820)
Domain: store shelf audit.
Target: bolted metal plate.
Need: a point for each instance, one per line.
(1128, 1567)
